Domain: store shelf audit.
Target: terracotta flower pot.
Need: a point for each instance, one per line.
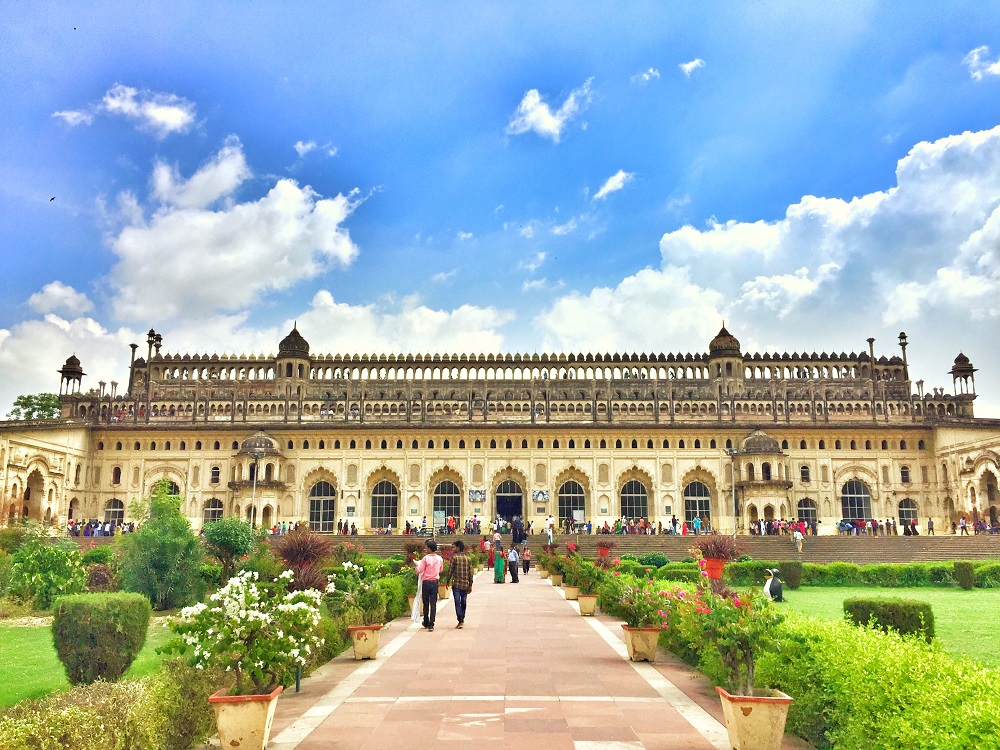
(755, 722)
(365, 640)
(641, 642)
(603, 552)
(244, 721)
(571, 592)
(588, 604)
(444, 592)
(713, 567)
(410, 598)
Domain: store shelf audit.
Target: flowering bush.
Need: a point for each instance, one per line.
(642, 606)
(356, 600)
(738, 626)
(255, 630)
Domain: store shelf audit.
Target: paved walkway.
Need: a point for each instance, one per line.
(525, 672)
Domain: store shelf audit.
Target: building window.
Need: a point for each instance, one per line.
(904, 474)
(855, 501)
(902, 445)
(921, 445)
(213, 510)
(907, 511)
(322, 507)
(804, 475)
(118, 446)
(634, 500)
(784, 445)
(680, 444)
(604, 443)
(750, 473)
(712, 444)
(100, 446)
(698, 503)
(765, 472)
(352, 445)
(385, 505)
(836, 445)
(477, 445)
(822, 445)
(183, 445)
(136, 446)
(885, 445)
(116, 475)
(802, 445)
(571, 498)
(368, 445)
(447, 499)
(854, 445)
(697, 444)
(216, 475)
(114, 511)
(807, 510)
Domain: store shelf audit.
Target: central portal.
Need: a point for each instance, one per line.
(510, 500)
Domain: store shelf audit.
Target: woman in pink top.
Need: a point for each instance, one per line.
(428, 572)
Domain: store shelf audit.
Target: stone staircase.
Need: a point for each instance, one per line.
(821, 549)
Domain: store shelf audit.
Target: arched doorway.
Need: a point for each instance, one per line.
(698, 504)
(251, 515)
(807, 511)
(34, 494)
(385, 505)
(114, 512)
(322, 507)
(752, 513)
(856, 501)
(572, 503)
(768, 512)
(634, 500)
(907, 511)
(266, 517)
(510, 500)
(447, 501)
(74, 509)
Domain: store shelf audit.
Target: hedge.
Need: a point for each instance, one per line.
(905, 616)
(98, 636)
(964, 574)
(987, 576)
(860, 688)
(679, 572)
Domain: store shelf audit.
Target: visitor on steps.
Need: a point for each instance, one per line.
(429, 571)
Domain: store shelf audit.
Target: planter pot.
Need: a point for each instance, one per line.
(365, 640)
(641, 643)
(714, 568)
(543, 573)
(572, 592)
(410, 598)
(755, 722)
(603, 552)
(588, 604)
(444, 592)
(244, 721)
(556, 579)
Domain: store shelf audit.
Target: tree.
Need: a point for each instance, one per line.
(162, 558)
(229, 539)
(36, 406)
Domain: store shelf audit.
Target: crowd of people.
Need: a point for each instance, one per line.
(96, 528)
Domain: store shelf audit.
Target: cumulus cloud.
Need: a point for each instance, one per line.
(159, 113)
(527, 231)
(303, 148)
(614, 183)
(979, 65)
(645, 76)
(463, 236)
(565, 228)
(186, 259)
(534, 263)
(58, 297)
(219, 177)
(781, 293)
(690, 67)
(535, 115)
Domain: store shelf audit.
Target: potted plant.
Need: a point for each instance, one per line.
(365, 615)
(444, 590)
(713, 552)
(258, 631)
(572, 570)
(604, 546)
(643, 621)
(740, 626)
(588, 581)
(557, 565)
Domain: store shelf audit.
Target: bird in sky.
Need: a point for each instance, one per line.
(52, 199)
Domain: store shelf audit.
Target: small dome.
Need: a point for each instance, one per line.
(725, 344)
(759, 441)
(961, 359)
(293, 345)
(259, 444)
(72, 368)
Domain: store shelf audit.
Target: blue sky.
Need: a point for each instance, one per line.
(406, 177)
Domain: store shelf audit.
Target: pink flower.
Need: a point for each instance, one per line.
(664, 625)
(617, 573)
(704, 574)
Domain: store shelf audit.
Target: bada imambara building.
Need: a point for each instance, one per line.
(380, 440)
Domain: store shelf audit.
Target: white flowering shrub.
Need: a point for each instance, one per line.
(254, 629)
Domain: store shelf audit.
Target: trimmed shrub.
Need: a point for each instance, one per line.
(790, 572)
(679, 572)
(747, 573)
(43, 571)
(229, 539)
(987, 576)
(964, 574)
(101, 578)
(182, 696)
(653, 559)
(211, 575)
(905, 616)
(104, 555)
(98, 636)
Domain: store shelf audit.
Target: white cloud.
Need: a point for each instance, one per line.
(56, 296)
(535, 115)
(463, 236)
(781, 293)
(527, 231)
(614, 183)
(74, 117)
(304, 148)
(188, 260)
(331, 150)
(979, 65)
(534, 263)
(568, 227)
(645, 76)
(225, 172)
(690, 67)
(443, 276)
(534, 285)
(159, 113)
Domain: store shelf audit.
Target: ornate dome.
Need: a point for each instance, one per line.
(725, 344)
(293, 345)
(759, 441)
(962, 367)
(259, 444)
(961, 359)
(72, 367)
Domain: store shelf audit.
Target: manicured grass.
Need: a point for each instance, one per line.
(965, 622)
(31, 668)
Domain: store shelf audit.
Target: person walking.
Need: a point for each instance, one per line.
(963, 527)
(499, 565)
(550, 527)
(513, 561)
(930, 527)
(797, 536)
(526, 559)
(429, 572)
(460, 578)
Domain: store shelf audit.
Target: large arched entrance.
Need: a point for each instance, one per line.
(34, 496)
(510, 500)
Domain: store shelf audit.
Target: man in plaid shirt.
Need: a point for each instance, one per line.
(460, 578)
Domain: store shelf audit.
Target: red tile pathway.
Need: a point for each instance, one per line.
(526, 671)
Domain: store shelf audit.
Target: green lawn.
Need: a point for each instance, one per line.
(31, 668)
(965, 622)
